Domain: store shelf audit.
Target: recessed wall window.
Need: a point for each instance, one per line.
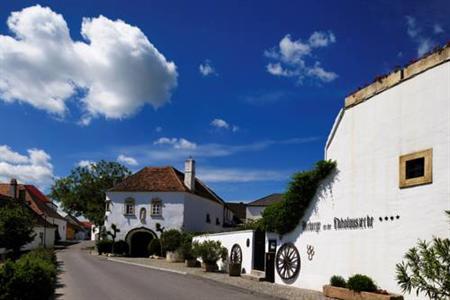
(416, 168)
(129, 206)
(156, 207)
(208, 218)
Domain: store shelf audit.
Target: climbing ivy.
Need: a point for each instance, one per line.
(283, 217)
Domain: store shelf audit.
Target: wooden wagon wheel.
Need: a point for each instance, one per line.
(236, 254)
(288, 261)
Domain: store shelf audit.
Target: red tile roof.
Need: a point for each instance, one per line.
(267, 200)
(163, 179)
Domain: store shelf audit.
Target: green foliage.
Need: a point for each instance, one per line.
(361, 283)
(33, 276)
(171, 240)
(209, 251)
(16, 227)
(426, 269)
(120, 248)
(104, 246)
(186, 245)
(251, 224)
(154, 247)
(83, 191)
(338, 281)
(283, 217)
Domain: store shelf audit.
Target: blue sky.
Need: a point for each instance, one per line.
(250, 89)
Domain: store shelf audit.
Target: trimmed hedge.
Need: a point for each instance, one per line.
(154, 247)
(361, 283)
(104, 246)
(120, 248)
(33, 276)
(338, 281)
(171, 240)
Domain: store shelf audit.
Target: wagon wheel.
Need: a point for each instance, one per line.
(288, 261)
(236, 254)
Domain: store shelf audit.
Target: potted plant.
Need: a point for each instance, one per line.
(186, 250)
(171, 242)
(210, 252)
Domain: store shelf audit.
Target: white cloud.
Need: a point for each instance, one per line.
(85, 163)
(294, 58)
(34, 168)
(113, 73)
(128, 160)
(239, 175)
(206, 68)
(177, 143)
(417, 35)
(222, 124)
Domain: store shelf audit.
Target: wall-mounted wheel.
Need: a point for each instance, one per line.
(236, 254)
(288, 261)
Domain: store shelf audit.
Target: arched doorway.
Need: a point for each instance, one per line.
(138, 239)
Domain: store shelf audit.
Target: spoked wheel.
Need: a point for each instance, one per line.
(236, 254)
(288, 261)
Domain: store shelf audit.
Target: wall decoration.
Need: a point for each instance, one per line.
(236, 254)
(288, 261)
(310, 251)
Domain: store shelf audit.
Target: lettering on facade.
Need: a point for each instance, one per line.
(310, 251)
(311, 226)
(353, 223)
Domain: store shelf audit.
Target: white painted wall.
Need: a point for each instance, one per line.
(228, 239)
(254, 212)
(37, 241)
(195, 211)
(62, 226)
(413, 116)
(172, 211)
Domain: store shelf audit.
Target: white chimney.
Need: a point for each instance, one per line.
(189, 174)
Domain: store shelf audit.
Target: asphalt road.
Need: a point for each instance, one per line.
(87, 277)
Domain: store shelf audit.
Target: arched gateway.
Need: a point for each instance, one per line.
(138, 240)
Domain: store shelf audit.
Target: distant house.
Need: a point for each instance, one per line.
(43, 230)
(166, 196)
(236, 212)
(75, 229)
(40, 204)
(254, 209)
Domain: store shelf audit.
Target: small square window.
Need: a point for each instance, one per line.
(416, 168)
(156, 207)
(208, 218)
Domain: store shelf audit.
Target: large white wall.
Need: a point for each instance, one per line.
(172, 211)
(412, 116)
(228, 239)
(195, 211)
(37, 242)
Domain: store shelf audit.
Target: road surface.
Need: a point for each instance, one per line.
(88, 277)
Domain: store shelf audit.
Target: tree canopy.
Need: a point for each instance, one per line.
(83, 191)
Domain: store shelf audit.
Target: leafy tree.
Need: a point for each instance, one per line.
(83, 191)
(426, 269)
(16, 227)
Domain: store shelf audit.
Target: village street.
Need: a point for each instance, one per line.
(87, 277)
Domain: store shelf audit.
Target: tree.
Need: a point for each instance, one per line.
(16, 227)
(113, 232)
(83, 191)
(426, 269)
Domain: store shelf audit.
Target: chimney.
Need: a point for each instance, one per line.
(13, 188)
(189, 174)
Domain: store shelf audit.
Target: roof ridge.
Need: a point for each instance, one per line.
(173, 169)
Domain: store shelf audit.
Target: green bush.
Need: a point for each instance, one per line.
(361, 283)
(33, 276)
(154, 247)
(209, 251)
(120, 248)
(338, 281)
(104, 246)
(46, 254)
(186, 245)
(171, 240)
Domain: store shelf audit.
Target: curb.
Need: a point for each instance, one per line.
(147, 266)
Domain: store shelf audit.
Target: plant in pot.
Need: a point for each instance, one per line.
(171, 242)
(210, 252)
(186, 250)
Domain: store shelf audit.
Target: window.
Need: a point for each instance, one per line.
(208, 218)
(129, 206)
(156, 207)
(108, 205)
(416, 168)
(142, 215)
(217, 221)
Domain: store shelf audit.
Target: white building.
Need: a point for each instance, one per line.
(255, 208)
(165, 196)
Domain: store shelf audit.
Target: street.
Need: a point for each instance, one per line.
(87, 277)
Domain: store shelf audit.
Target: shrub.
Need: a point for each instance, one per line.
(186, 245)
(120, 247)
(361, 283)
(45, 254)
(338, 281)
(209, 251)
(154, 247)
(104, 246)
(171, 240)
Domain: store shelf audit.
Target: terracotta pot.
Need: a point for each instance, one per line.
(346, 294)
(210, 267)
(192, 263)
(174, 256)
(234, 269)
